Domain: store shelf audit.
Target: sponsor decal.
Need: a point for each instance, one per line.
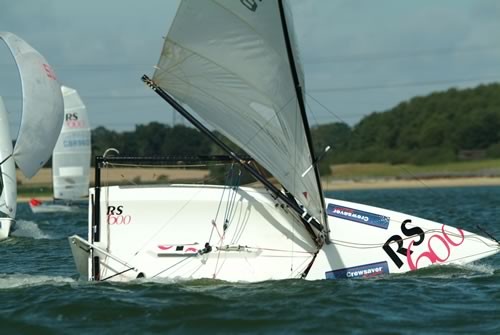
(116, 216)
(361, 271)
(75, 124)
(351, 214)
(250, 4)
(443, 241)
(119, 219)
(71, 116)
(72, 120)
(165, 247)
(112, 210)
(49, 72)
(76, 143)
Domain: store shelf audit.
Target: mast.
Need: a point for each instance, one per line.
(300, 99)
(306, 218)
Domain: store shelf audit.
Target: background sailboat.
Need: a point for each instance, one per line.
(42, 113)
(8, 183)
(70, 158)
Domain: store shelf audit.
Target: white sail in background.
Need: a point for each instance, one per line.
(228, 62)
(71, 157)
(42, 106)
(8, 184)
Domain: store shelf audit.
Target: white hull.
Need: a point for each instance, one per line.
(368, 241)
(159, 232)
(6, 226)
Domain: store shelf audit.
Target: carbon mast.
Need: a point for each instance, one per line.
(300, 100)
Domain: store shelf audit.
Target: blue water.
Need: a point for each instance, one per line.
(40, 293)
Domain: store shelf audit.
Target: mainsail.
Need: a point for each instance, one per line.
(71, 157)
(42, 106)
(233, 64)
(8, 183)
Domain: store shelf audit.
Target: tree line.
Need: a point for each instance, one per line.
(441, 127)
(438, 128)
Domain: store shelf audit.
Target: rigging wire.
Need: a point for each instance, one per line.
(353, 57)
(162, 227)
(214, 221)
(234, 186)
(233, 181)
(399, 54)
(325, 108)
(262, 127)
(404, 169)
(404, 84)
(171, 266)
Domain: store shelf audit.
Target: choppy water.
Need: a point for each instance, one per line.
(40, 293)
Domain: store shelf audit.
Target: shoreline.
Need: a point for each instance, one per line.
(389, 183)
(370, 184)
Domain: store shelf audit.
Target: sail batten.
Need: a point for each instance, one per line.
(229, 63)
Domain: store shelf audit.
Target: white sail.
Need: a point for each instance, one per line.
(71, 157)
(8, 184)
(228, 61)
(42, 106)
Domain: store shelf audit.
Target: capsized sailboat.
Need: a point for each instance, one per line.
(41, 121)
(70, 159)
(233, 66)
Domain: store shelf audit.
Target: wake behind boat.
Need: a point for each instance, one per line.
(232, 66)
(70, 159)
(39, 207)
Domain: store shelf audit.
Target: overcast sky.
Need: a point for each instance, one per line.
(359, 56)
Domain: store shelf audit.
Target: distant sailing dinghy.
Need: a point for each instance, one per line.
(8, 182)
(41, 122)
(234, 65)
(70, 159)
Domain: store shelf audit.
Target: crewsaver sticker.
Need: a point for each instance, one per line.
(351, 214)
(362, 271)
